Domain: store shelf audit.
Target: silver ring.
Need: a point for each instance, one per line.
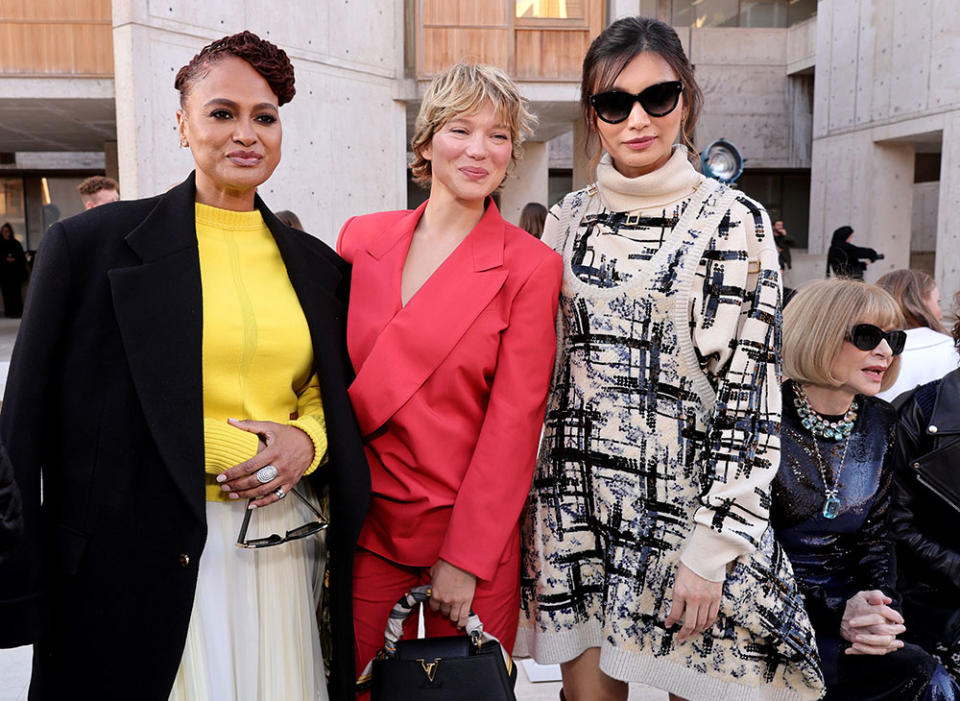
(266, 474)
(280, 493)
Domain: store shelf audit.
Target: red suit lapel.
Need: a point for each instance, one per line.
(396, 349)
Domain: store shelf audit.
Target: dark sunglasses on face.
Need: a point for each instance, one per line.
(866, 337)
(658, 100)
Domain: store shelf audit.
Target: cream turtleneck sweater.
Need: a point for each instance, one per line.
(673, 182)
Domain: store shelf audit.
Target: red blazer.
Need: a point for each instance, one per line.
(451, 389)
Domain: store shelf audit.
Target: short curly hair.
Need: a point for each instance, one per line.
(96, 183)
(461, 90)
(267, 59)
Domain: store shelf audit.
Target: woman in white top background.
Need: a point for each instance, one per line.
(930, 353)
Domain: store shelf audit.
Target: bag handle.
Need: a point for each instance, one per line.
(394, 631)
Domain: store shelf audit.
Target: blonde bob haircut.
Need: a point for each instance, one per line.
(461, 90)
(820, 318)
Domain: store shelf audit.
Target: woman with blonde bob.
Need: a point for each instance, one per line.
(451, 334)
(841, 345)
(929, 353)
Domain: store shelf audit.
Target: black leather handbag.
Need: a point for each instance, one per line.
(467, 667)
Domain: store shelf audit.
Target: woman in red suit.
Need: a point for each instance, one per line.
(451, 334)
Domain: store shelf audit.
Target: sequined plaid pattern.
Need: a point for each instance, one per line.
(664, 413)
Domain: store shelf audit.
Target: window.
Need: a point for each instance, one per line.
(741, 13)
(763, 13)
(550, 9)
(800, 10)
(706, 13)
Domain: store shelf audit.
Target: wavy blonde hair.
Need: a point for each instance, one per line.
(819, 319)
(461, 90)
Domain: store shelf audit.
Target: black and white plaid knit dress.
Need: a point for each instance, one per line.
(661, 442)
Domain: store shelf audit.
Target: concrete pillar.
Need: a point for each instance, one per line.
(889, 186)
(527, 183)
(344, 134)
(869, 186)
(948, 223)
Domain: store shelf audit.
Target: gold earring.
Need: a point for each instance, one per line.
(183, 143)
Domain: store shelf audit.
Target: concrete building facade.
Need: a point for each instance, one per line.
(344, 141)
(887, 100)
(847, 111)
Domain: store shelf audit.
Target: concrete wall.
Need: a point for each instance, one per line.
(886, 79)
(802, 46)
(344, 135)
(923, 222)
(748, 98)
(527, 182)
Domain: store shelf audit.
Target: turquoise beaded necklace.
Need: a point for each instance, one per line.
(831, 430)
(819, 426)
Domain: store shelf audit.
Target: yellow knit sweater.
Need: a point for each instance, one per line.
(257, 354)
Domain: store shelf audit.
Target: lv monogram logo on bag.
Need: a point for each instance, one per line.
(430, 668)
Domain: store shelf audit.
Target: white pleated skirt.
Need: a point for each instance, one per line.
(253, 631)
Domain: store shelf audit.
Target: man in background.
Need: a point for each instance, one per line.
(98, 190)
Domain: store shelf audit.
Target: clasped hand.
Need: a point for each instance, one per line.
(287, 448)
(870, 624)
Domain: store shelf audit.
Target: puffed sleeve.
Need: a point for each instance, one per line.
(736, 330)
(497, 481)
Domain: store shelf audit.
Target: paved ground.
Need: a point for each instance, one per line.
(15, 664)
(15, 675)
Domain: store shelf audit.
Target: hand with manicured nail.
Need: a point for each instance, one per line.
(287, 448)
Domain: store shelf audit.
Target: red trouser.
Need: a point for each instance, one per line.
(379, 583)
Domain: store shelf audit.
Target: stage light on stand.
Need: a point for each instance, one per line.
(722, 160)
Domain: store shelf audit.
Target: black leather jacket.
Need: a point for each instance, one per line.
(925, 526)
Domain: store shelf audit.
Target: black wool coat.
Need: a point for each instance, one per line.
(11, 518)
(105, 401)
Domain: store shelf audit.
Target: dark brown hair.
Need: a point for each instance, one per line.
(289, 219)
(532, 218)
(616, 46)
(265, 58)
(911, 288)
(96, 183)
